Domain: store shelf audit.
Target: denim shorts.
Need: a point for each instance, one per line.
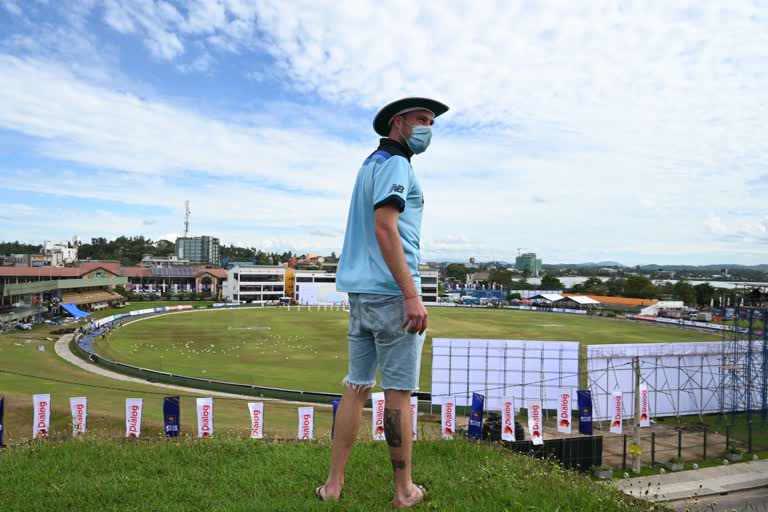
(377, 339)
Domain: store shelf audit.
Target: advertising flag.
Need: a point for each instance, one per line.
(377, 412)
(205, 417)
(133, 408)
(306, 423)
(79, 407)
(171, 416)
(507, 419)
(335, 407)
(2, 425)
(585, 411)
(42, 420)
(448, 418)
(645, 406)
(256, 410)
(616, 412)
(414, 415)
(476, 416)
(564, 412)
(535, 425)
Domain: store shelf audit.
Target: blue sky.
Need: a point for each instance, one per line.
(597, 131)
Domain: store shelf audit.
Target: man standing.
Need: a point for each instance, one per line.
(379, 269)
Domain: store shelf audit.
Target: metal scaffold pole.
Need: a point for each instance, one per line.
(636, 441)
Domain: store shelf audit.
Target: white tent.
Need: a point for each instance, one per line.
(582, 300)
(662, 304)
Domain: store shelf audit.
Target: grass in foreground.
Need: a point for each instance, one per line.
(233, 475)
(308, 349)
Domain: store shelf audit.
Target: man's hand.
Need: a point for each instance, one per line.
(415, 315)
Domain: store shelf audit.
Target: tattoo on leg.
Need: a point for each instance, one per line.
(398, 464)
(392, 429)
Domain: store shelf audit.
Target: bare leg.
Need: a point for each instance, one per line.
(347, 424)
(397, 428)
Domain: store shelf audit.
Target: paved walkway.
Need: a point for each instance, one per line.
(699, 482)
(62, 350)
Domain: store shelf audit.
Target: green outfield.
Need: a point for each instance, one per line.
(307, 349)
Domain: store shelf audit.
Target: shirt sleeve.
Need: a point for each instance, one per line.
(391, 183)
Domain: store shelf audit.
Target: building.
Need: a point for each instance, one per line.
(199, 249)
(175, 280)
(255, 283)
(163, 261)
(28, 293)
(429, 278)
(29, 260)
(528, 262)
(61, 253)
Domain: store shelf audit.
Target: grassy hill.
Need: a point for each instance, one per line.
(238, 475)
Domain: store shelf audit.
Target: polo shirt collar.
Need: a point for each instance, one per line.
(394, 147)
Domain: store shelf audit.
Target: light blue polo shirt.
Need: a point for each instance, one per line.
(386, 177)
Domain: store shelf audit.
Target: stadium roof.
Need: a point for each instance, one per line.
(112, 267)
(582, 299)
(56, 272)
(619, 301)
(551, 297)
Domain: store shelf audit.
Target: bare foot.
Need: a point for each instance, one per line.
(414, 498)
(328, 493)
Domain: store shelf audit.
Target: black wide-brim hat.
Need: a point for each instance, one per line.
(401, 106)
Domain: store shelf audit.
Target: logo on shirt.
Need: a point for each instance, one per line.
(398, 189)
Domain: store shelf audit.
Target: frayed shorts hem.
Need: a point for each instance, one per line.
(358, 386)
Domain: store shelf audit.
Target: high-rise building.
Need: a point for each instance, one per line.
(198, 249)
(529, 262)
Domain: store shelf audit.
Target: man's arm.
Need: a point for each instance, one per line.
(391, 247)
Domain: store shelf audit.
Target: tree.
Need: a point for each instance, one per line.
(685, 292)
(593, 285)
(704, 294)
(501, 277)
(521, 284)
(640, 287)
(456, 271)
(549, 282)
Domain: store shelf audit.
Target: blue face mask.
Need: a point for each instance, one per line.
(420, 138)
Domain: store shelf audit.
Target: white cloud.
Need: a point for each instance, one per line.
(738, 230)
(12, 6)
(97, 126)
(155, 21)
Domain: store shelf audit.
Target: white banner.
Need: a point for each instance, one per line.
(448, 418)
(508, 419)
(256, 410)
(306, 423)
(617, 412)
(645, 406)
(564, 412)
(42, 421)
(133, 407)
(535, 426)
(377, 413)
(205, 417)
(414, 415)
(79, 407)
